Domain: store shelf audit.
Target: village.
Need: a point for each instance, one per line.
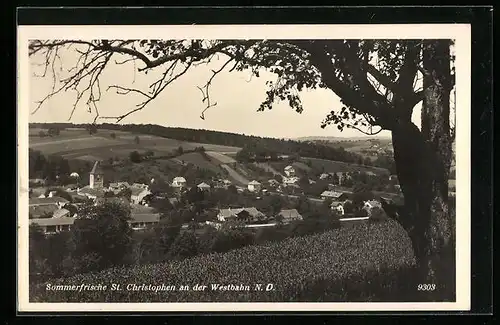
(54, 213)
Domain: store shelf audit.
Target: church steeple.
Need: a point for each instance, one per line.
(96, 176)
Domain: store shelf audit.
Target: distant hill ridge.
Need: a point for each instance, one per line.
(336, 139)
(287, 147)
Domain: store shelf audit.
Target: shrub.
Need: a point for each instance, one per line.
(377, 214)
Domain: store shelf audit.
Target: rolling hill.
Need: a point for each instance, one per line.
(76, 143)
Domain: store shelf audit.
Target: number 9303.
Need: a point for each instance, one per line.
(426, 287)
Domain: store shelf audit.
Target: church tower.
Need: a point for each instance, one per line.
(96, 176)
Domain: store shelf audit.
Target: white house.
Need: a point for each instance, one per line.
(369, 205)
(254, 186)
(324, 176)
(118, 186)
(54, 225)
(91, 193)
(290, 180)
(204, 186)
(330, 195)
(61, 213)
(274, 183)
(289, 171)
(338, 207)
(138, 194)
(142, 221)
(179, 182)
(239, 213)
(290, 215)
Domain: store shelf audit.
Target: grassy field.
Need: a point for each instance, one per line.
(79, 144)
(199, 160)
(359, 263)
(220, 157)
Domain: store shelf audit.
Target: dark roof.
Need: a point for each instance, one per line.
(145, 217)
(92, 191)
(137, 190)
(60, 213)
(228, 213)
(291, 214)
(53, 221)
(97, 168)
(141, 209)
(40, 210)
(47, 200)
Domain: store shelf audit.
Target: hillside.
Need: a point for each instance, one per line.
(337, 265)
(218, 141)
(341, 139)
(76, 143)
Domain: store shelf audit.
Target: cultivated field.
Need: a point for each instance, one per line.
(78, 144)
(355, 261)
(198, 160)
(221, 158)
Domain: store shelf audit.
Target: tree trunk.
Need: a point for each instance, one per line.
(436, 132)
(423, 163)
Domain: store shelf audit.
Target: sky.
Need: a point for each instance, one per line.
(237, 95)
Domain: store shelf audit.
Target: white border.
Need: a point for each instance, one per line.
(459, 32)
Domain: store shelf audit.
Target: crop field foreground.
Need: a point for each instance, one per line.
(363, 263)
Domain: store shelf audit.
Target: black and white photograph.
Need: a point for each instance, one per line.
(247, 166)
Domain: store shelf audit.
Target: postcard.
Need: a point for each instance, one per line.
(244, 168)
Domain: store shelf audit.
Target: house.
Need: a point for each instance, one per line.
(338, 207)
(118, 186)
(244, 214)
(254, 186)
(38, 192)
(331, 195)
(54, 225)
(91, 193)
(369, 205)
(312, 181)
(96, 179)
(140, 221)
(140, 185)
(179, 182)
(289, 171)
(290, 180)
(290, 215)
(61, 213)
(76, 197)
(116, 200)
(173, 200)
(42, 211)
(138, 194)
(204, 186)
(54, 200)
(274, 183)
(324, 176)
